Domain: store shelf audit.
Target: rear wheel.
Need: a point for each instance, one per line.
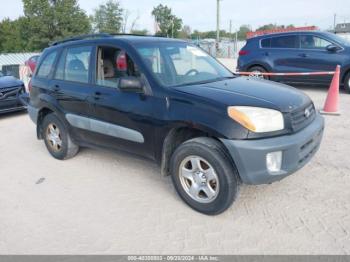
(57, 138)
(256, 72)
(347, 83)
(204, 176)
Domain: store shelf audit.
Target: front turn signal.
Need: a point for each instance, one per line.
(241, 118)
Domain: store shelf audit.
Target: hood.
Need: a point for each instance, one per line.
(244, 91)
(9, 81)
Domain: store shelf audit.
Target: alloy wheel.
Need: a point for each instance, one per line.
(199, 179)
(53, 136)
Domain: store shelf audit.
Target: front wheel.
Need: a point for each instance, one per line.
(57, 138)
(256, 72)
(204, 175)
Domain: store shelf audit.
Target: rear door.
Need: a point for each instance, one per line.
(71, 84)
(283, 52)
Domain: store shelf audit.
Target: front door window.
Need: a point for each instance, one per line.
(112, 64)
(313, 42)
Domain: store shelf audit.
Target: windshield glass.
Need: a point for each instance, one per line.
(176, 64)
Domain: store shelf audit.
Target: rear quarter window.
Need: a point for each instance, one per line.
(47, 65)
(266, 43)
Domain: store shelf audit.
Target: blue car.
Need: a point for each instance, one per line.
(304, 51)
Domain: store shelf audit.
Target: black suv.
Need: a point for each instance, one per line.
(169, 101)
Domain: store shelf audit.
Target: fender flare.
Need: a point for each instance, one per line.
(169, 143)
(266, 66)
(49, 103)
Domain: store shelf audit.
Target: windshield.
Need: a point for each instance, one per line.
(176, 64)
(339, 39)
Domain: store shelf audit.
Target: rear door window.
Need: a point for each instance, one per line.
(289, 41)
(47, 65)
(74, 64)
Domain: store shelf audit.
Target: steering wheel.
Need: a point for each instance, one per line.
(195, 71)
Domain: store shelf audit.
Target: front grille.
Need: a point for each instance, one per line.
(9, 92)
(308, 149)
(302, 117)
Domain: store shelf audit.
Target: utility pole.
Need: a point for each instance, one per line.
(230, 27)
(218, 21)
(236, 42)
(335, 22)
(172, 29)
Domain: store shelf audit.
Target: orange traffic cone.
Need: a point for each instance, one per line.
(331, 106)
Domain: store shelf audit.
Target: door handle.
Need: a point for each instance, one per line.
(56, 88)
(97, 95)
(303, 55)
(266, 53)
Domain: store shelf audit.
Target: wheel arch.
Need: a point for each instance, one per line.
(178, 135)
(44, 111)
(267, 68)
(345, 73)
(47, 106)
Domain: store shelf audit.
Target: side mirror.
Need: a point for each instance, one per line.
(332, 48)
(131, 84)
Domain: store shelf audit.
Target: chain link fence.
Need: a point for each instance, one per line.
(224, 50)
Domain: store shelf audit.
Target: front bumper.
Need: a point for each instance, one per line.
(9, 99)
(250, 155)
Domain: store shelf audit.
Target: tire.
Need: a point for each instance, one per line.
(211, 156)
(259, 69)
(57, 138)
(347, 83)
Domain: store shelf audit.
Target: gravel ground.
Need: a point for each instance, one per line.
(104, 202)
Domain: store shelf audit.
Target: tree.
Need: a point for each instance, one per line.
(134, 23)
(126, 18)
(185, 32)
(211, 34)
(267, 27)
(242, 32)
(273, 26)
(49, 20)
(169, 24)
(139, 32)
(13, 35)
(108, 18)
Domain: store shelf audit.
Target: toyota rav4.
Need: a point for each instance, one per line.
(171, 102)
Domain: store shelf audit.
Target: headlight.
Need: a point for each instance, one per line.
(257, 119)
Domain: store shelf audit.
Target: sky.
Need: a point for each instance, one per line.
(201, 14)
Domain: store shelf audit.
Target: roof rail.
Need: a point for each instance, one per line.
(280, 30)
(92, 36)
(81, 37)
